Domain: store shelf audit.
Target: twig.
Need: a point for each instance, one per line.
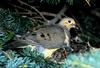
(44, 13)
(32, 7)
(88, 2)
(17, 6)
(49, 14)
(28, 11)
(62, 11)
(37, 17)
(6, 55)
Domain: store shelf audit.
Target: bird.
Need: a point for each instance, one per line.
(53, 37)
(67, 23)
(50, 38)
(56, 34)
(73, 28)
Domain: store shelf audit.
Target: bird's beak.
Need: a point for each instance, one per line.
(76, 28)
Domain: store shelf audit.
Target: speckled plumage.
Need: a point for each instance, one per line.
(51, 37)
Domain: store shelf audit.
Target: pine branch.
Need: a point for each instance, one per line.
(32, 7)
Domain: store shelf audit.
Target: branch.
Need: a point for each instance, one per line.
(17, 7)
(28, 11)
(44, 13)
(37, 17)
(21, 2)
(88, 2)
(49, 14)
(62, 11)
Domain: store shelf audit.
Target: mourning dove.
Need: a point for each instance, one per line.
(53, 37)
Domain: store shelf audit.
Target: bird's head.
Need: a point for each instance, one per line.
(69, 23)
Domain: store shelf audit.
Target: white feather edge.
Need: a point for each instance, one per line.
(47, 52)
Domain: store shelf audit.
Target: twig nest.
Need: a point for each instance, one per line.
(80, 48)
(60, 54)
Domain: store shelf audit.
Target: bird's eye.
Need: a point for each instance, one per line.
(69, 21)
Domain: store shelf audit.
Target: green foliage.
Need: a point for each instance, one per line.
(29, 59)
(5, 36)
(52, 1)
(68, 2)
(3, 60)
(18, 61)
(14, 22)
(38, 58)
(32, 59)
(90, 26)
(79, 3)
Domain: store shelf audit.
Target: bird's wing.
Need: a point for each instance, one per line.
(51, 37)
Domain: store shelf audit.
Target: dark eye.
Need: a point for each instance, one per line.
(69, 21)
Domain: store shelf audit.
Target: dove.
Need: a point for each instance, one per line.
(53, 37)
(56, 34)
(50, 38)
